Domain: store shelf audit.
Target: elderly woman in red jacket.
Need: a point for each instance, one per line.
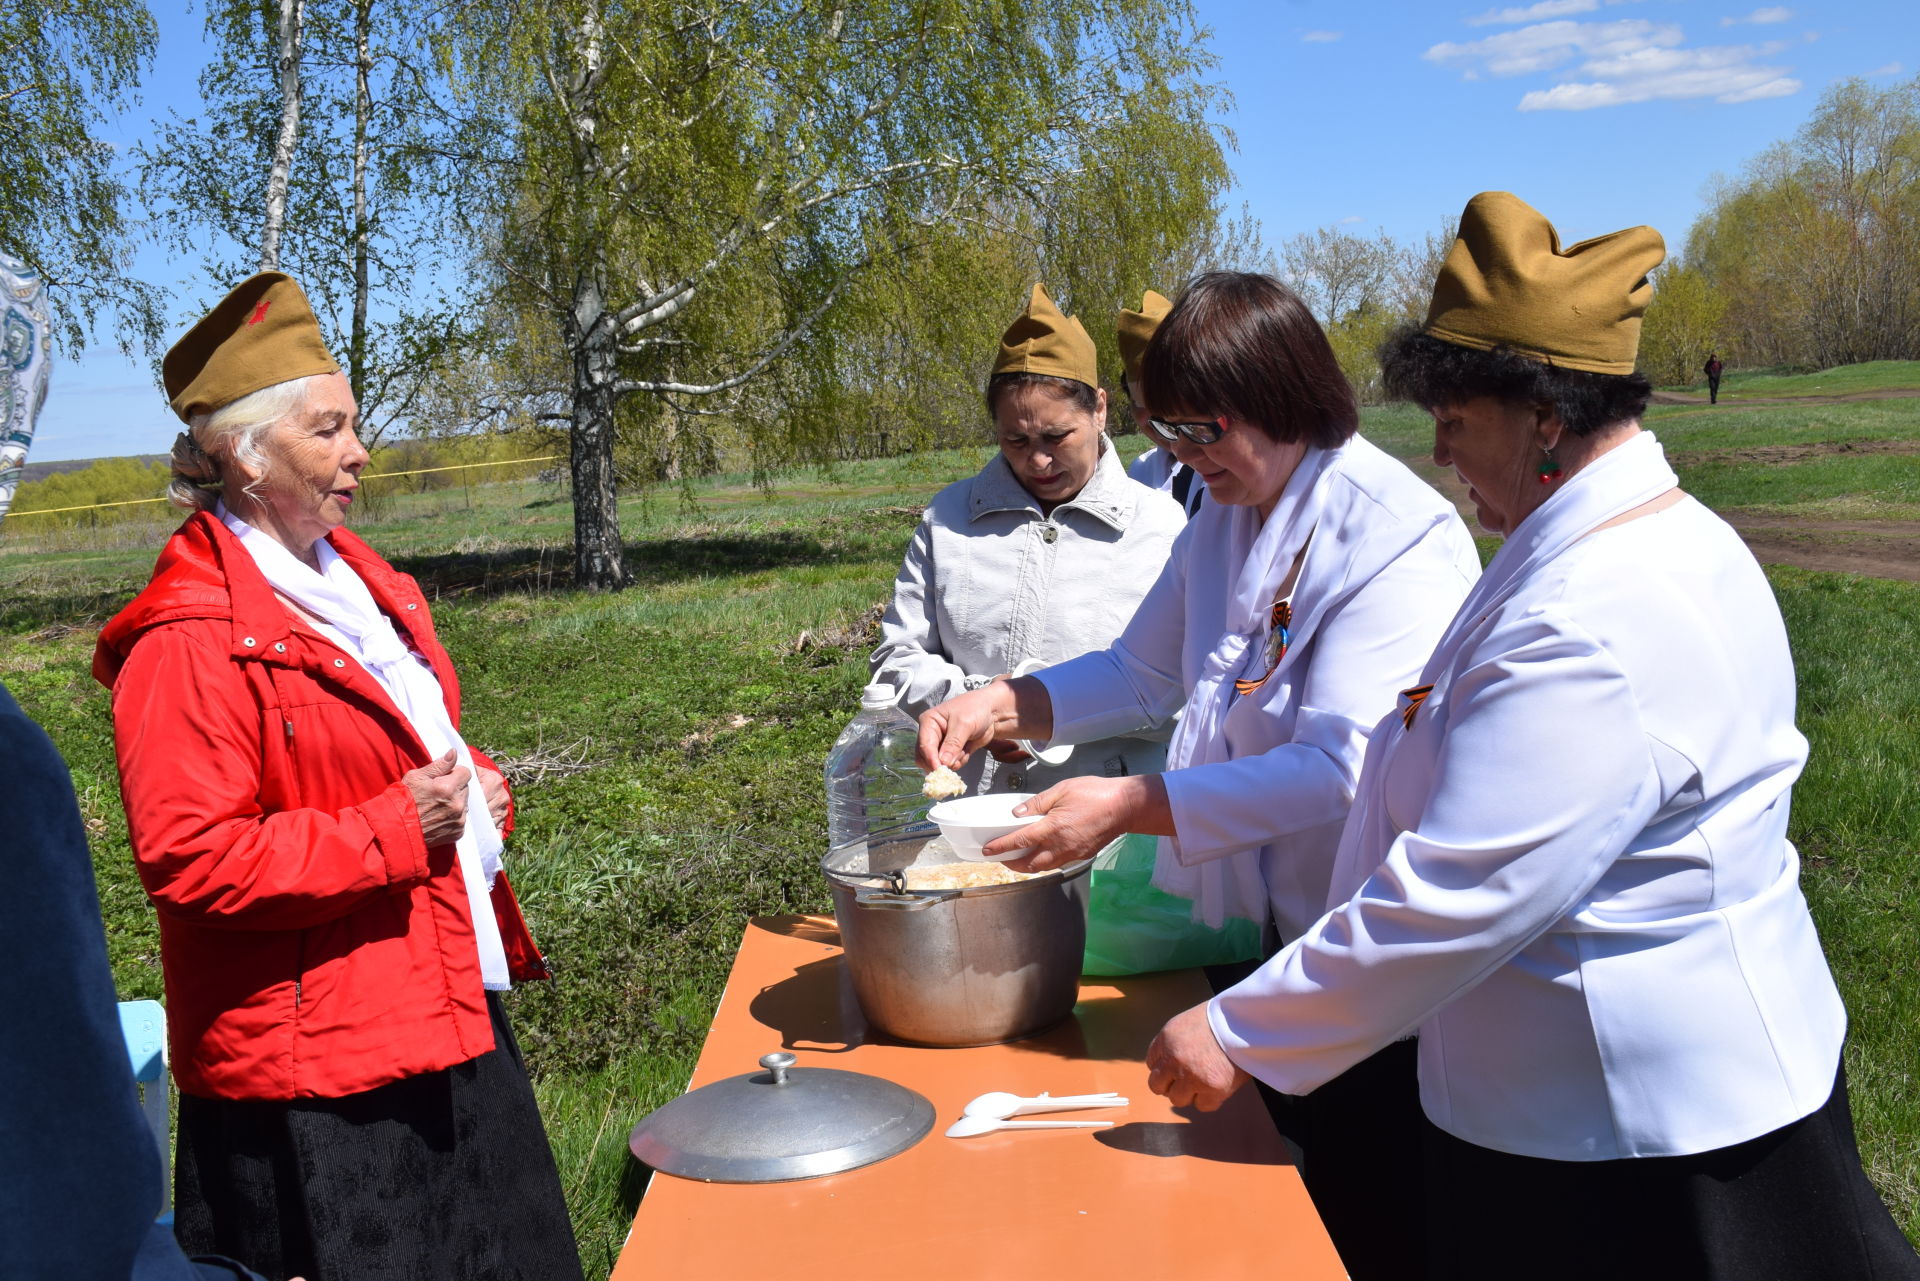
(324, 853)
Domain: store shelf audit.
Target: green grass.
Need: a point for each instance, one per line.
(1885, 487)
(1688, 428)
(1842, 380)
(1854, 820)
(703, 724)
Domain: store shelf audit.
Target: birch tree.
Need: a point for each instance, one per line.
(292, 20)
(698, 184)
(64, 69)
(328, 145)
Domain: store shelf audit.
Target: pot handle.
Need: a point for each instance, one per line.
(889, 902)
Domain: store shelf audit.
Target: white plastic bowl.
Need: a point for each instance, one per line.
(971, 822)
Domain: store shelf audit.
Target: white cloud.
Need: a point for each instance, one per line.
(1761, 17)
(1320, 37)
(1533, 12)
(1547, 45)
(1350, 219)
(1606, 64)
(1538, 12)
(1891, 69)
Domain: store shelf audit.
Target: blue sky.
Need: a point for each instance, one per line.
(1373, 116)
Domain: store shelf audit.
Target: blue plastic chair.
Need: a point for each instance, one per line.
(144, 1025)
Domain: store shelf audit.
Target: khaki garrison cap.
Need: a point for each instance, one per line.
(260, 334)
(1042, 340)
(1135, 330)
(1506, 282)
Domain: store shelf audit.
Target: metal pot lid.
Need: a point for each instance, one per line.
(781, 1124)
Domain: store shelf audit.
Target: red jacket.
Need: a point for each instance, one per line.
(313, 944)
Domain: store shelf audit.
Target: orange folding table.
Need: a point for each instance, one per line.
(1161, 1194)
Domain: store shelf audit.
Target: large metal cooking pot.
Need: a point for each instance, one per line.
(973, 966)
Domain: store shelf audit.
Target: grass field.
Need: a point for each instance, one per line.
(1844, 380)
(687, 719)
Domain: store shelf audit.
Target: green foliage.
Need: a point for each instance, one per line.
(1682, 326)
(1356, 339)
(784, 230)
(206, 176)
(1817, 246)
(70, 64)
(111, 480)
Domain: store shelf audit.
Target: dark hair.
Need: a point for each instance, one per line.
(1434, 374)
(1084, 398)
(1244, 345)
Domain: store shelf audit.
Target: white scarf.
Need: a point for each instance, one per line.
(1229, 883)
(1613, 484)
(350, 619)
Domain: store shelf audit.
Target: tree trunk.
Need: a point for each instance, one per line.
(292, 13)
(598, 561)
(362, 110)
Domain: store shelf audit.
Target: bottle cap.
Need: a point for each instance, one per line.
(878, 697)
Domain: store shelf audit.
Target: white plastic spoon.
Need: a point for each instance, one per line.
(969, 1126)
(1000, 1104)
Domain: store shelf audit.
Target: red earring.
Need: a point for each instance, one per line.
(1549, 471)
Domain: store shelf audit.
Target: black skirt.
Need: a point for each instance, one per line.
(1792, 1205)
(446, 1175)
(1358, 1143)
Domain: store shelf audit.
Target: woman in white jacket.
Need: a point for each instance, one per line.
(1042, 555)
(1567, 864)
(1311, 585)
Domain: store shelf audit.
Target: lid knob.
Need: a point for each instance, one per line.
(777, 1063)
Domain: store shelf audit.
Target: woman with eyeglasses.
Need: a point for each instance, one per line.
(1308, 590)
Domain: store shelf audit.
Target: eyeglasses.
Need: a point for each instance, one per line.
(1204, 432)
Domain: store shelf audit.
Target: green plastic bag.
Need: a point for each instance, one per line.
(1133, 928)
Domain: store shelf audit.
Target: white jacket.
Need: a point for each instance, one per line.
(988, 583)
(1388, 563)
(1155, 469)
(1571, 873)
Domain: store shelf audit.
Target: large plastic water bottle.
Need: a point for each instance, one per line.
(873, 784)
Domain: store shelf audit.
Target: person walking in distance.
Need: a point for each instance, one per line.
(1713, 378)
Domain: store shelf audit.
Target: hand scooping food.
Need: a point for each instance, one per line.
(942, 784)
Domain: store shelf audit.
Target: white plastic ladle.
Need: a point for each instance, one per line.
(999, 1105)
(969, 1126)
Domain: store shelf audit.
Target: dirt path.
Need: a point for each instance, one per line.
(1875, 548)
(1792, 453)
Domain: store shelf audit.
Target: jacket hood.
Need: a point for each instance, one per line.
(204, 573)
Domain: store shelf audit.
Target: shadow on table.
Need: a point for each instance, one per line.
(812, 929)
(815, 1010)
(1215, 1139)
